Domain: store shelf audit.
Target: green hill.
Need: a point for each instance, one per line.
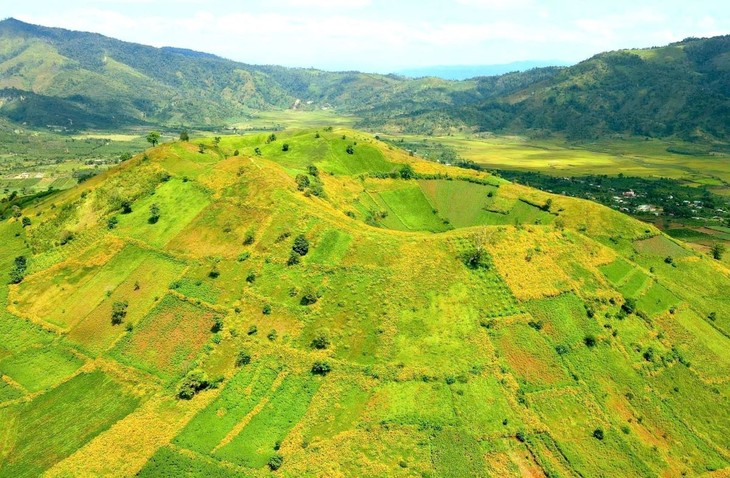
(337, 308)
(76, 80)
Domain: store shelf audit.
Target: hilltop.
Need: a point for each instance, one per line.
(317, 302)
(77, 80)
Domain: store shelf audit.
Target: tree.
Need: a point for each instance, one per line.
(184, 136)
(126, 206)
(195, 381)
(26, 221)
(294, 259)
(629, 305)
(312, 169)
(243, 358)
(321, 341)
(153, 137)
(350, 149)
(476, 257)
(275, 462)
(257, 151)
(119, 312)
(321, 368)
(302, 181)
(285, 147)
(201, 148)
(598, 434)
(154, 214)
(309, 297)
(406, 172)
(590, 341)
(16, 211)
(112, 222)
(17, 273)
(217, 140)
(718, 250)
(301, 245)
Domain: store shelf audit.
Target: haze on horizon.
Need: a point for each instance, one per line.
(381, 36)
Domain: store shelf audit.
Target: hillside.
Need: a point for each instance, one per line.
(51, 76)
(335, 307)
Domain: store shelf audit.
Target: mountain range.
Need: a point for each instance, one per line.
(51, 76)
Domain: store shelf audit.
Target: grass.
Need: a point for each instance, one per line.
(40, 368)
(54, 425)
(436, 368)
(167, 340)
(254, 445)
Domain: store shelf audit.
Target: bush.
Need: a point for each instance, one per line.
(321, 368)
(195, 381)
(294, 259)
(275, 462)
(561, 349)
(520, 436)
(266, 310)
(285, 147)
(590, 341)
(301, 245)
(312, 169)
(310, 297)
(321, 342)
(17, 273)
(217, 325)
(302, 181)
(243, 358)
(406, 172)
(598, 434)
(350, 149)
(629, 305)
(112, 222)
(251, 277)
(154, 214)
(126, 206)
(119, 312)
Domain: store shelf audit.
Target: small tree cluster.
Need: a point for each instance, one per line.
(17, 273)
(154, 214)
(119, 312)
(321, 341)
(321, 368)
(243, 358)
(301, 245)
(195, 381)
(718, 250)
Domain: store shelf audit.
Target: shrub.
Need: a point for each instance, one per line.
(629, 305)
(243, 358)
(285, 147)
(126, 206)
(266, 310)
(275, 462)
(312, 169)
(154, 214)
(251, 277)
(294, 259)
(217, 325)
(249, 238)
(561, 349)
(195, 381)
(17, 273)
(302, 181)
(598, 434)
(520, 436)
(406, 172)
(349, 149)
(537, 325)
(252, 330)
(301, 245)
(272, 335)
(310, 297)
(321, 368)
(26, 221)
(119, 312)
(590, 341)
(112, 222)
(321, 342)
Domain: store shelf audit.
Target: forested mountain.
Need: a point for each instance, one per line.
(52, 76)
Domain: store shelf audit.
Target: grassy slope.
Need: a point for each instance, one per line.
(436, 368)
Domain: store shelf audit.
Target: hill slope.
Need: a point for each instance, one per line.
(359, 314)
(79, 80)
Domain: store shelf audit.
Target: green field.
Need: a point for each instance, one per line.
(444, 323)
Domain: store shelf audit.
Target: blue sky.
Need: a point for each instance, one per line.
(387, 35)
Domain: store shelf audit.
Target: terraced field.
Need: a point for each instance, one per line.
(319, 310)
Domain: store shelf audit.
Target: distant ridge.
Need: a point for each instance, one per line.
(465, 72)
(86, 80)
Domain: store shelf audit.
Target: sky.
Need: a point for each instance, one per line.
(384, 36)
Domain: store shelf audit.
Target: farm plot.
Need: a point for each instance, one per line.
(56, 424)
(167, 339)
(38, 368)
(256, 442)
